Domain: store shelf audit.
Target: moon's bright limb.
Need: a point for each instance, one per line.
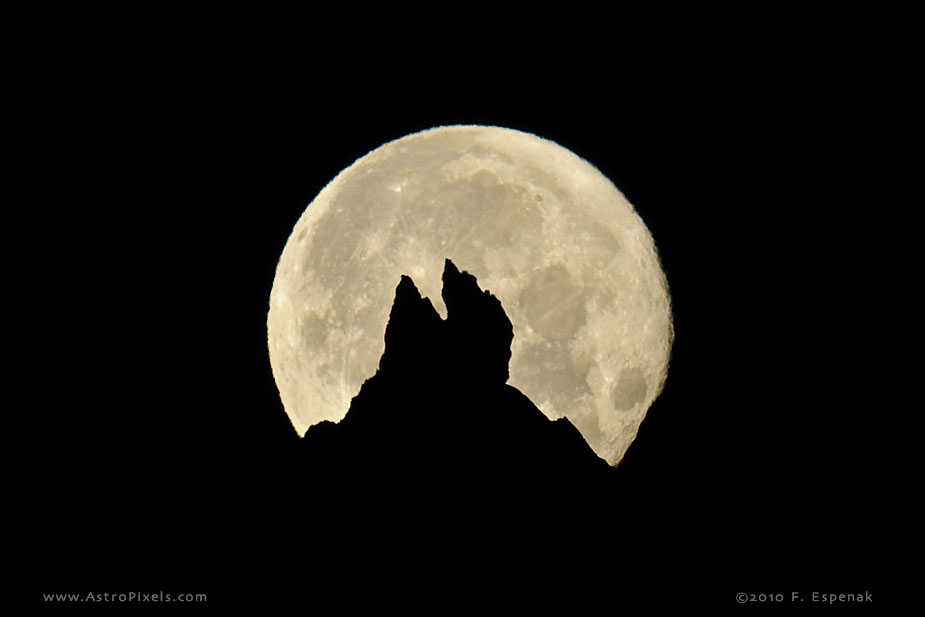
(572, 263)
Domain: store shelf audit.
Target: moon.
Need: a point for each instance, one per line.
(574, 266)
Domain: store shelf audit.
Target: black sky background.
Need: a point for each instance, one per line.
(170, 194)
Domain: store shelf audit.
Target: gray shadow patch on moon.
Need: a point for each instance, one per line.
(554, 303)
(630, 389)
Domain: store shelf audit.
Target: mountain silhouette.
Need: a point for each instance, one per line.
(438, 419)
(442, 482)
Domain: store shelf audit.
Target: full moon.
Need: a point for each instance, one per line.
(574, 266)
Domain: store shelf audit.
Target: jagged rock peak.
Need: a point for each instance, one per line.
(479, 329)
(412, 331)
(409, 305)
(465, 300)
(474, 343)
(460, 291)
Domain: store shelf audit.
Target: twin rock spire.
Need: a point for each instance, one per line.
(473, 343)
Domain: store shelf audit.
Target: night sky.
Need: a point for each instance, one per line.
(167, 208)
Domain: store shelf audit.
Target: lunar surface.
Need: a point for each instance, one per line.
(574, 266)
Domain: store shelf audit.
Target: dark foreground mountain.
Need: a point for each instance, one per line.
(442, 477)
(438, 421)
